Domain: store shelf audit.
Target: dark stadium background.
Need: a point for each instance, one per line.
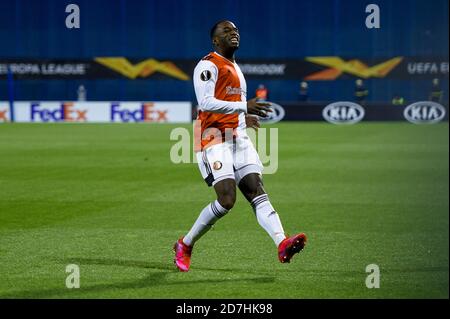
(170, 29)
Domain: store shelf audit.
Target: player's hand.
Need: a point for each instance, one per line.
(252, 122)
(258, 108)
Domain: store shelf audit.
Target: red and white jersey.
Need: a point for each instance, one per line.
(221, 91)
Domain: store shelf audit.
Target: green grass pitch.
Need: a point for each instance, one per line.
(108, 198)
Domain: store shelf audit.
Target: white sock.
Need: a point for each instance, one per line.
(268, 218)
(209, 215)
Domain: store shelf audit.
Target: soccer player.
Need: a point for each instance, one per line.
(226, 156)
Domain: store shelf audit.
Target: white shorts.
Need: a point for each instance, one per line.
(230, 159)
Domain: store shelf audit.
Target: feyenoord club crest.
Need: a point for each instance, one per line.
(217, 165)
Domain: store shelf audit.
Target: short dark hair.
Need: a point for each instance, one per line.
(214, 27)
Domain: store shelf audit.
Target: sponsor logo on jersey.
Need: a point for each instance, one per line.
(343, 113)
(142, 69)
(232, 91)
(275, 116)
(64, 112)
(424, 112)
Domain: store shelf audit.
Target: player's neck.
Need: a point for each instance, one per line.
(229, 55)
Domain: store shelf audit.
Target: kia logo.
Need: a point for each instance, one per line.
(343, 113)
(424, 112)
(275, 116)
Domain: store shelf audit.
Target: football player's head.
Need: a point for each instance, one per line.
(225, 35)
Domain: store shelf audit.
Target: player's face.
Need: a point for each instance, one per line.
(228, 35)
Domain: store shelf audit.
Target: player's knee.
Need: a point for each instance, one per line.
(227, 201)
(255, 193)
(252, 186)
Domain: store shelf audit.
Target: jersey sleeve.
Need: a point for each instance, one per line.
(205, 78)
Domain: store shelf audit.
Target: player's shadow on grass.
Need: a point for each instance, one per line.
(153, 279)
(145, 264)
(121, 262)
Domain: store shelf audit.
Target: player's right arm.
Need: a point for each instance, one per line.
(205, 79)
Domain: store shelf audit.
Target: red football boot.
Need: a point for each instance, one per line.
(290, 246)
(182, 255)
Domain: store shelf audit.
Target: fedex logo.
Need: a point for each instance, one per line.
(145, 112)
(66, 112)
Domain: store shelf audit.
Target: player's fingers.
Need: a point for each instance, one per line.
(262, 114)
(264, 108)
(263, 104)
(260, 111)
(255, 125)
